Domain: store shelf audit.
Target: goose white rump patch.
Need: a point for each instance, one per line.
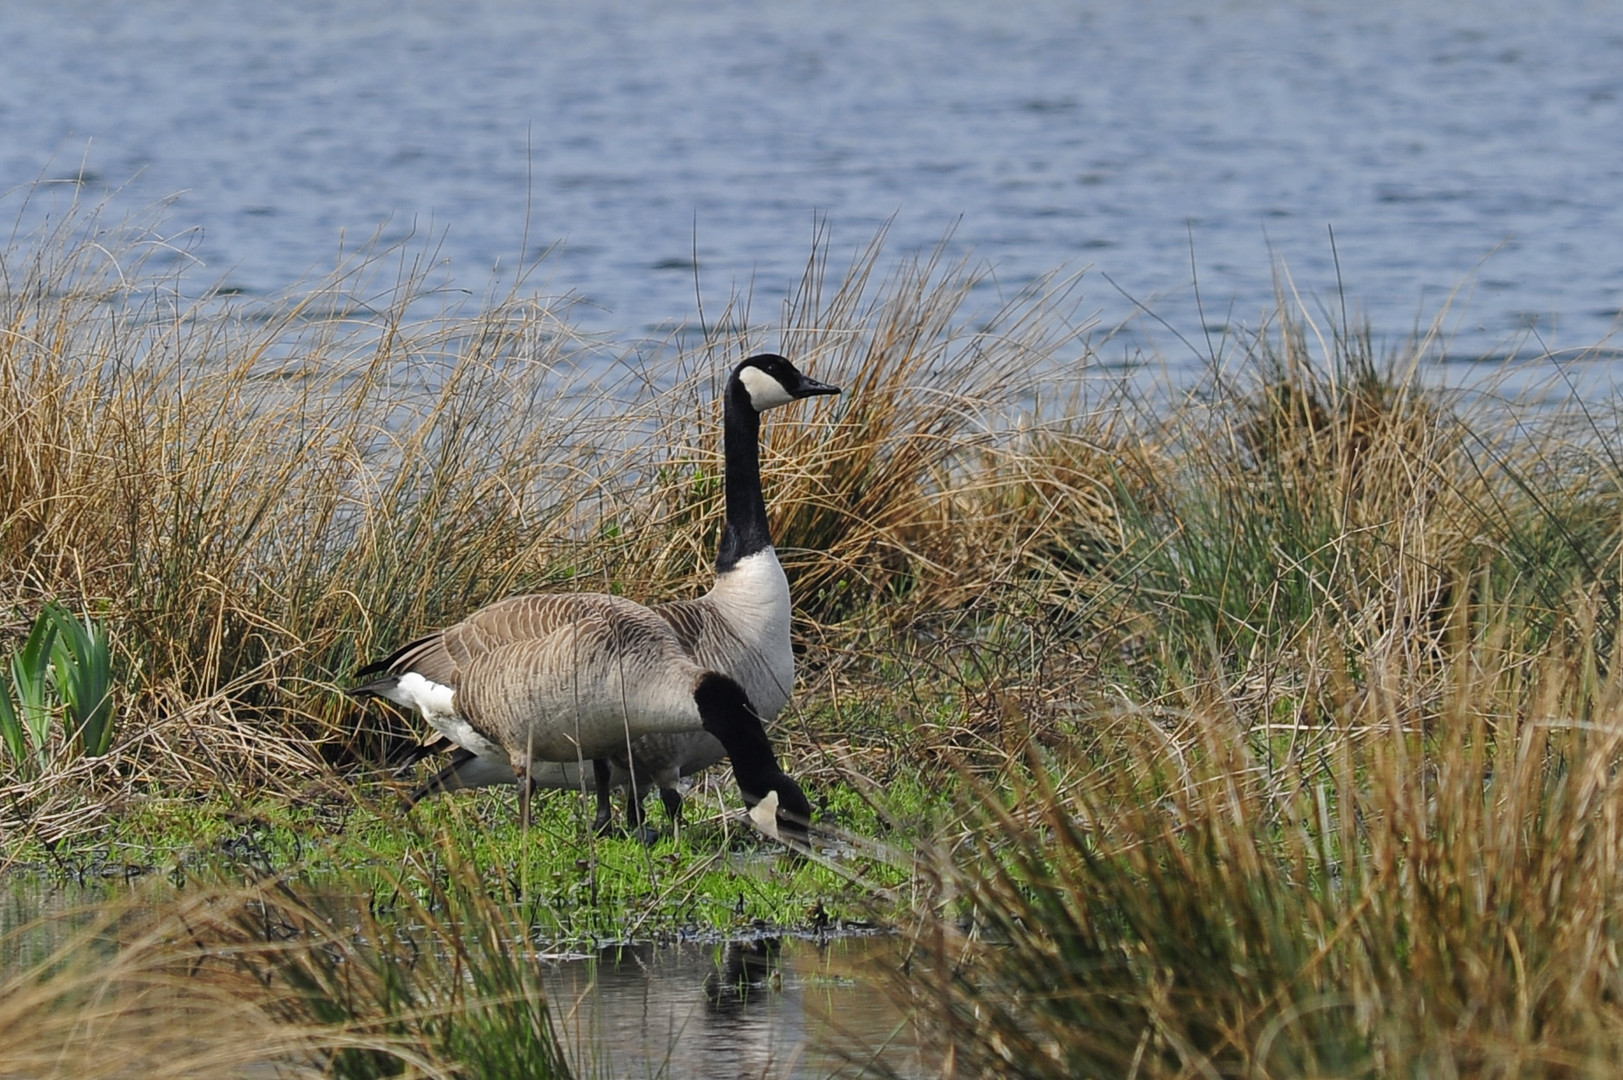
(416, 692)
(437, 704)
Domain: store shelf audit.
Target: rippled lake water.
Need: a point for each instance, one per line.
(661, 152)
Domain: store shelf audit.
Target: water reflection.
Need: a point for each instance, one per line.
(761, 1007)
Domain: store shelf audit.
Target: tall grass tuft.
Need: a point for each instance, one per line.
(431, 978)
(1344, 802)
(1424, 887)
(1331, 487)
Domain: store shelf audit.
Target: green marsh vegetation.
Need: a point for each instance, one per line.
(1269, 729)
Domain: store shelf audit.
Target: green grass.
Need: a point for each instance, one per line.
(574, 889)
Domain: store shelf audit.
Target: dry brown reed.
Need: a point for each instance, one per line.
(432, 978)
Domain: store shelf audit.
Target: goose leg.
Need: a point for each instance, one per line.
(605, 807)
(673, 806)
(526, 791)
(636, 820)
(634, 814)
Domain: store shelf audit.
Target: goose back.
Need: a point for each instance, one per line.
(565, 676)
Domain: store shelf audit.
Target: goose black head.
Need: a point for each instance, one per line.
(769, 380)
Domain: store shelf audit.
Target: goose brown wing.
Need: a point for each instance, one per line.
(444, 656)
(565, 674)
(704, 633)
(536, 617)
(426, 656)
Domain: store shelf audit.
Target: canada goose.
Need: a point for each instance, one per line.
(566, 676)
(740, 628)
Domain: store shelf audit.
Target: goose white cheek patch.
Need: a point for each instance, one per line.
(764, 815)
(765, 392)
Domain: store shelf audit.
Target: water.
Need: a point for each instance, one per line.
(805, 1010)
(664, 153)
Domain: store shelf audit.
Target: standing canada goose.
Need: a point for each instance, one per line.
(740, 628)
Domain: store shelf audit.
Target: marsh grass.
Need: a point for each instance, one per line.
(239, 979)
(1266, 729)
(1349, 806)
(1425, 885)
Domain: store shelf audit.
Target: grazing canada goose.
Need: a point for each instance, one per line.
(740, 628)
(566, 676)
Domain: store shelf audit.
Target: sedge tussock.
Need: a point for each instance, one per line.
(1428, 888)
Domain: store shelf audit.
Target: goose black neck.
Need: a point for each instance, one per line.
(745, 531)
(726, 713)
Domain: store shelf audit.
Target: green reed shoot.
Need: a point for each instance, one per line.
(64, 667)
(82, 672)
(25, 722)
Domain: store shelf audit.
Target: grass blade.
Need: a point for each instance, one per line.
(11, 728)
(30, 675)
(82, 665)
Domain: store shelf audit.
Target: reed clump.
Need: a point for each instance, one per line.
(1414, 885)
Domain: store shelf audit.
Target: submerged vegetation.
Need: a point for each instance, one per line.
(1268, 727)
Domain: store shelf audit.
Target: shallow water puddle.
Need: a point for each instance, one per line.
(765, 1007)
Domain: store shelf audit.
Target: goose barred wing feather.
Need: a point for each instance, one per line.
(440, 657)
(563, 675)
(426, 656)
(445, 656)
(695, 624)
